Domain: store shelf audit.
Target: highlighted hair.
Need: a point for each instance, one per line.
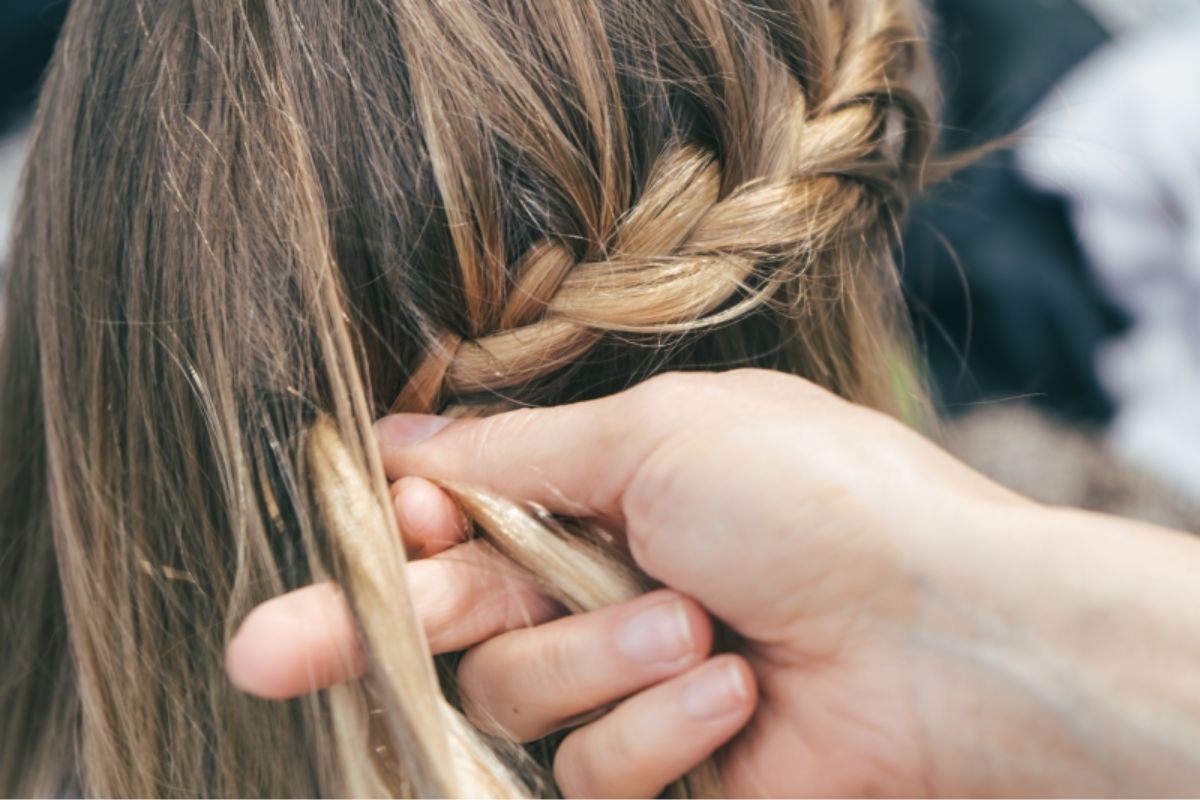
(249, 227)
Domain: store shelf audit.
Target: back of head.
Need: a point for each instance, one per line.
(249, 228)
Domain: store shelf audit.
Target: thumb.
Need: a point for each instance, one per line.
(656, 460)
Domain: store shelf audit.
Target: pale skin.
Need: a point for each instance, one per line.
(910, 628)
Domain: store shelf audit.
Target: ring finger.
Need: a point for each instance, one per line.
(659, 735)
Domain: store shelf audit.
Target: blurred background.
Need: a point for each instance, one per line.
(1054, 286)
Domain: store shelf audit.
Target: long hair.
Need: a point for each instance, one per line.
(249, 227)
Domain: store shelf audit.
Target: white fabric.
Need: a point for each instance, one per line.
(1121, 139)
(1120, 15)
(12, 156)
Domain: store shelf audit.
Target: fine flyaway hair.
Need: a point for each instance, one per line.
(248, 228)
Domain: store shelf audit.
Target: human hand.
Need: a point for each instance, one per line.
(527, 672)
(900, 613)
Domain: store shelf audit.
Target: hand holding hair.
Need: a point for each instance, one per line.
(910, 627)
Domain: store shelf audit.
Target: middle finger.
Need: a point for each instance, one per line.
(529, 682)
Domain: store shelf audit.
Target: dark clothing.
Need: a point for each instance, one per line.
(999, 292)
(28, 29)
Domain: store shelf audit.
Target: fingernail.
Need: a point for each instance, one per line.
(406, 430)
(715, 692)
(657, 635)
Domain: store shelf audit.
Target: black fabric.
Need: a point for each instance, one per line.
(28, 30)
(999, 293)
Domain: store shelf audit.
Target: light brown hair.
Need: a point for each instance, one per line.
(247, 227)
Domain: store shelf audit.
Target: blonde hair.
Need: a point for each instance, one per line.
(247, 228)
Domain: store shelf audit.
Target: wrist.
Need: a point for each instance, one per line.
(1064, 655)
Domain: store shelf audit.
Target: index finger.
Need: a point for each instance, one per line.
(575, 459)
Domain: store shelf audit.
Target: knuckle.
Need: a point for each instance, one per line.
(471, 677)
(621, 745)
(459, 602)
(668, 382)
(768, 389)
(484, 440)
(753, 376)
(526, 606)
(698, 394)
(485, 691)
(581, 764)
(568, 770)
(557, 667)
(661, 396)
(658, 485)
(483, 433)
(712, 394)
(668, 391)
(516, 687)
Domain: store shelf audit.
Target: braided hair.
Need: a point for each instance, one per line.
(249, 227)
